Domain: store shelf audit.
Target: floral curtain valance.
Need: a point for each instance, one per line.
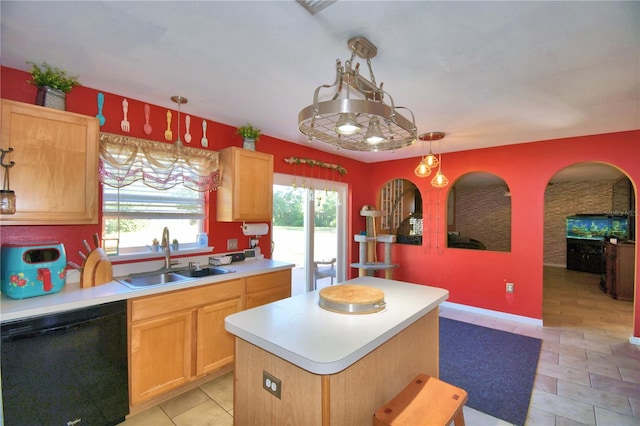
(157, 164)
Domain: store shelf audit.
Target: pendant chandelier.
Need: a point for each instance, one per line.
(439, 180)
(356, 116)
(430, 161)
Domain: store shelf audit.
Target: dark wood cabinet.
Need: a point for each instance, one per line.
(585, 255)
(620, 270)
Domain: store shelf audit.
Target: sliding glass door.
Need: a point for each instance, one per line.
(309, 230)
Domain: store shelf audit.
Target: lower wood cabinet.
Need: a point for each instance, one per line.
(178, 337)
(214, 344)
(160, 355)
(267, 288)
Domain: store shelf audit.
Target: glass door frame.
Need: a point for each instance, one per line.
(342, 190)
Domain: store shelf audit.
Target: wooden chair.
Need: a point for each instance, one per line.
(320, 273)
(424, 402)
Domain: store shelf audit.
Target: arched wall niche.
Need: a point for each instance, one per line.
(479, 213)
(401, 204)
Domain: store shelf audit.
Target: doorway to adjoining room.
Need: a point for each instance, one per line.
(309, 218)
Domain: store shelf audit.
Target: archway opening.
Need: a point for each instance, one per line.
(589, 228)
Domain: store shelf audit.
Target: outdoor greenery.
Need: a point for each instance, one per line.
(288, 208)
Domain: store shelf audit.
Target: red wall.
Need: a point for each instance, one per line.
(83, 100)
(477, 278)
(473, 278)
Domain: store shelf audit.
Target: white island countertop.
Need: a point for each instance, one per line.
(299, 331)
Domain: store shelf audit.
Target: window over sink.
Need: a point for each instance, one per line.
(150, 185)
(136, 214)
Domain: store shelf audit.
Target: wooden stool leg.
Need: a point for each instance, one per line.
(458, 420)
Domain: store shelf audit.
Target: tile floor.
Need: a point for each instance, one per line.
(588, 372)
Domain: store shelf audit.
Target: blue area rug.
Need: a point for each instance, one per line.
(495, 367)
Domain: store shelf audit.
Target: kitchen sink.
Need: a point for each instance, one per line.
(204, 272)
(158, 278)
(151, 279)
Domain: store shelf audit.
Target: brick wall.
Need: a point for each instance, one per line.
(484, 213)
(566, 199)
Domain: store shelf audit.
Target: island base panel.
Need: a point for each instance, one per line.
(349, 397)
(300, 402)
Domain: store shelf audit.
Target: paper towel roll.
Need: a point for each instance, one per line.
(250, 229)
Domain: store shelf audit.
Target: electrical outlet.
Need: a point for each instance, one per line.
(510, 287)
(232, 244)
(271, 384)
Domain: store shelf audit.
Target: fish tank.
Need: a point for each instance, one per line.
(597, 227)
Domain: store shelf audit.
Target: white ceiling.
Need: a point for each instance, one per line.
(485, 73)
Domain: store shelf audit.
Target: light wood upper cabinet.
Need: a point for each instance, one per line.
(246, 190)
(55, 176)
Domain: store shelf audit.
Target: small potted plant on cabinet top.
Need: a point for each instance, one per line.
(53, 85)
(250, 135)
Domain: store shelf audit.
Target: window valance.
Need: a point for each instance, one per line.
(158, 165)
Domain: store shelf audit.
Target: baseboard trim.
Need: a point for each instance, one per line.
(496, 314)
(556, 265)
(634, 340)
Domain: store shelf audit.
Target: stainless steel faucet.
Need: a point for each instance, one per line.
(167, 248)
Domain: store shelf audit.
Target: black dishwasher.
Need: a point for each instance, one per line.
(68, 368)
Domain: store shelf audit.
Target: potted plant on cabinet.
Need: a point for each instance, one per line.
(53, 85)
(250, 135)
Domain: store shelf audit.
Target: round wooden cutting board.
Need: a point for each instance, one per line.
(352, 299)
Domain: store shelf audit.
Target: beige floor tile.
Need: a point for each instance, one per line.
(565, 373)
(635, 406)
(630, 375)
(606, 417)
(563, 421)
(550, 357)
(546, 384)
(595, 397)
(221, 391)
(626, 349)
(577, 342)
(537, 417)
(619, 360)
(184, 402)
(619, 387)
(565, 407)
(475, 417)
(590, 366)
(206, 414)
(152, 417)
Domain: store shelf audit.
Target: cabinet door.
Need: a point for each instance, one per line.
(267, 288)
(55, 176)
(214, 344)
(160, 355)
(246, 190)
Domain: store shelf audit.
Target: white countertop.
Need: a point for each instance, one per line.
(298, 330)
(73, 297)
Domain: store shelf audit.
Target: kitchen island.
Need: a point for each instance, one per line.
(332, 368)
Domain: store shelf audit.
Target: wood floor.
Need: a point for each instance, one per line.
(588, 372)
